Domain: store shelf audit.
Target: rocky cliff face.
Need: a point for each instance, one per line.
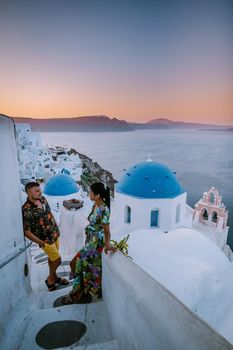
(93, 172)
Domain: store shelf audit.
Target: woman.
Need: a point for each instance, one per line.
(88, 259)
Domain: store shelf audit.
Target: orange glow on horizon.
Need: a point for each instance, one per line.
(134, 63)
(180, 107)
(60, 96)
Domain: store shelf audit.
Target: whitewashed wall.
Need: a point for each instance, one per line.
(144, 315)
(72, 228)
(14, 285)
(141, 210)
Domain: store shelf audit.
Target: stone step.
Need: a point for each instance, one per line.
(109, 345)
(93, 316)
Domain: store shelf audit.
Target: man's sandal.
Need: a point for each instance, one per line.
(51, 287)
(62, 281)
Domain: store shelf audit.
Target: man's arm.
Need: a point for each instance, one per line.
(33, 238)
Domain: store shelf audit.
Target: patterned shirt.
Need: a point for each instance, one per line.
(40, 221)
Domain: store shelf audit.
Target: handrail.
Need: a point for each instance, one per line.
(21, 250)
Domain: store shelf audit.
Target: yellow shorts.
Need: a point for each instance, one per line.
(52, 250)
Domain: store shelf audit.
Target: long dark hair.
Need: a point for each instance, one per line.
(103, 191)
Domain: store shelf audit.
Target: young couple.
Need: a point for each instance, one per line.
(41, 228)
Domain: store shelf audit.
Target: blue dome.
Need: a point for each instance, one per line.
(61, 185)
(149, 180)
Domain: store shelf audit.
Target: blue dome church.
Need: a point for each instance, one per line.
(60, 187)
(148, 195)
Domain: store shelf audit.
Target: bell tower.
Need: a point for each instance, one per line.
(211, 212)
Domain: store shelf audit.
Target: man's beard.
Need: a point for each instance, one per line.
(35, 198)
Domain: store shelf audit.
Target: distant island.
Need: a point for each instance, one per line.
(87, 123)
(101, 123)
(217, 129)
(163, 123)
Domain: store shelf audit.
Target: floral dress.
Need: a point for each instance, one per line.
(88, 265)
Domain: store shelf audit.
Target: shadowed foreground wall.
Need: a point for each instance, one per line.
(144, 315)
(14, 285)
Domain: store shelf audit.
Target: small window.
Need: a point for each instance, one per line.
(205, 214)
(214, 216)
(178, 213)
(127, 214)
(154, 218)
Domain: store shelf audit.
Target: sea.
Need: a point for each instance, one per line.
(200, 158)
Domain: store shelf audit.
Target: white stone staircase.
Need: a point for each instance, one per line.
(93, 315)
(37, 311)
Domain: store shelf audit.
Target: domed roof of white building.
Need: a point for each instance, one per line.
(61, 185)
(149, 180)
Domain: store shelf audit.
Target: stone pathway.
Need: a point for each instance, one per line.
(33, 320)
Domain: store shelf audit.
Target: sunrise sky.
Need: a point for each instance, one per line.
(133, 60)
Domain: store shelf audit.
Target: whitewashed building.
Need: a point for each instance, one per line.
(25, 137)
(39, 162)
(148, 195)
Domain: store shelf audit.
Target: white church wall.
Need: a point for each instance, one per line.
(221, 237)
(180, 200)
(189, 212)
(141, 211)
(15, 285)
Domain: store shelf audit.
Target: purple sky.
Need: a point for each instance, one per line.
(133, 60)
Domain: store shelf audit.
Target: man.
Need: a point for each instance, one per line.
(41, 228)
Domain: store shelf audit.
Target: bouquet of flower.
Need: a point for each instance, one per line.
(122, 245)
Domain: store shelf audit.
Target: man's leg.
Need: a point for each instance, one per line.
(54, 260)
(53, 265)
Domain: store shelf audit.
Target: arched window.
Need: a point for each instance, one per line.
(205, 214)
(212, 198)
(178, 213)
(154, 218)
(214, 216)
(127, 214)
